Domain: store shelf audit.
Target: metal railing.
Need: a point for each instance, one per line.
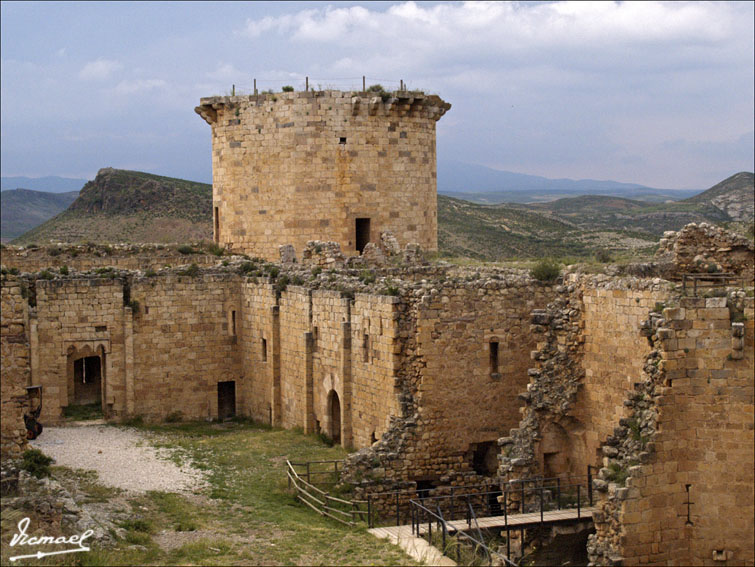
(347, 512)
(709, 281)
(400, 502)
(421, 515)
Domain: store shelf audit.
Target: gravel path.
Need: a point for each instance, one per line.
(122, 457)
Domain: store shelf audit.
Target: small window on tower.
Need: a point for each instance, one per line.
(342, 140)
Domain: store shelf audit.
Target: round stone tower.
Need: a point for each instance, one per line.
(323, 165)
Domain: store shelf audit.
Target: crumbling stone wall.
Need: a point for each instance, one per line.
(293, 167)
(445, 383)
(703, 249)
(16, 368)
(613, 313)
(84, 257)
(686, 449)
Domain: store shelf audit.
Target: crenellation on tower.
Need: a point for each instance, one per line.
(323, 165)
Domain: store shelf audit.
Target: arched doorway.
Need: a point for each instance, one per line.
(334, 412)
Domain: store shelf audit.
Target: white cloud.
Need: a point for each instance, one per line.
(420, 32)
(99, 69)
(139, 85)
(224, 72)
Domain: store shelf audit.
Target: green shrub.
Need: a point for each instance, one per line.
(215, 249)
(546, 270)
(191, 271)
(46, 275)
(603, 256)
(36, 463)
(367, 277)
(272, 270)
(63, 270)
(134, 305)
(150, 273)
(659, 307)
(391, 290)
(185, 249)
(13, 271)
(174, 417)
(316, 271)
(287, 89)
(54, 251)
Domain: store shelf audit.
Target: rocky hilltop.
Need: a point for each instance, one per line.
(131, 206)
(734, 196)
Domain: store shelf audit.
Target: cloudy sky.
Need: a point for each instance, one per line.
(653, 93)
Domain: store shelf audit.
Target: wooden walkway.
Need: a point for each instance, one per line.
(418, 548)
(415, 547)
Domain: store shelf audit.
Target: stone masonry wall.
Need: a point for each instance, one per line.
(82, 258)
(613, 361)
(297, 396)
(694, 422)
(261, 342)
(374, 366)
(75, 318)
(182, 344)
(300, 166)
(16, 368)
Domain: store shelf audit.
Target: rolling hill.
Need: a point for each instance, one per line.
(24, 209)
(131, 206)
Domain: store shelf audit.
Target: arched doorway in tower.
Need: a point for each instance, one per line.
(334, 413)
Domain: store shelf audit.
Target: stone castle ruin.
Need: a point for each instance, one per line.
(438, 375)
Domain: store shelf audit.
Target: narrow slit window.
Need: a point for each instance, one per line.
(362, 230)
(233, 323)
(493, 358)
(264, 350)
(366, 347)
(217, 225)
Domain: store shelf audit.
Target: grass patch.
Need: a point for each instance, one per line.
(84, 412)
(246, 516)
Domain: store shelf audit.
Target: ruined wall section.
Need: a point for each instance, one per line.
(457, 327)
(183, 344)
(79, 317)
(300, 166)
(691, 428)
(331, 364)
(16, 368)
(375, 352)
(260, 351)
(82, 258)
(297, 395)
(613, 313)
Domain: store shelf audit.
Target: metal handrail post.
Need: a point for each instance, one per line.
(558, 498)
(589, 484)
(579, 508)
(398, 519)
(541, 504)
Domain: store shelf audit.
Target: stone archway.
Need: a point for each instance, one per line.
(334, 417)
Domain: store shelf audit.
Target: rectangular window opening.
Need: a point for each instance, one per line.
(362, 233)
(233, 323)
(494, 359)
(366, 347)
(342, 140)
(264, 350)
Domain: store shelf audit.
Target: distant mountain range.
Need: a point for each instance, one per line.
(49, 184)
(130, 206)
(480, 184)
